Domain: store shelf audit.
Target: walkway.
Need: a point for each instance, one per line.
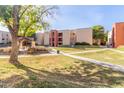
(118, 51)
(102, 63)
(90, 51)
(7, 56)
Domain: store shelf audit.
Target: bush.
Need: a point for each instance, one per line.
(103, 43)
(31, 50)
(64, 46)
(37, 50)
(82, 43)
(95, 44)
(1, 50)
(5, 50)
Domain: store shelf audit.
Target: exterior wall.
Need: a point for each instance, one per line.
(73, 37)
(5, 37)
(66, 37)
(46, 38)
(60, 38)
(109, 42)
(84, 35)
(77, 35)
(54, 38)
(118, 34)
(40, 38)
(9, 37)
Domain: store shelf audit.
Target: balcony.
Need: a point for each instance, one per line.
(59, 39)
(59, 35)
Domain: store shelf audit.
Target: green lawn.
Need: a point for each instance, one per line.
(57, 71)
(120, 48)
(77, 48)
(107, 55)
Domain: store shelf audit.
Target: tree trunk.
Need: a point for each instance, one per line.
(14, 52)
(14, 34)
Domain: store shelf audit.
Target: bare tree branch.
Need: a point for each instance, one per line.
(24, 11)
(15, 15)
(47, 10)
(9, 27)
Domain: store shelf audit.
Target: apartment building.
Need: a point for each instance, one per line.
(39, 38)
(56, 37)
(109, 42)
(117, 34)
(5, 37)
(66, 37)
(46, 38)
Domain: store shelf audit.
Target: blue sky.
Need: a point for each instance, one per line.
(82, 16)
(76, 16)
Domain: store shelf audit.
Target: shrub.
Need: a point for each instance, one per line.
(64, 46)
(37, 50)
(5, 50)
(31, 50)
(77, 43)
(82, 43)
(1, 50)
(95, 44)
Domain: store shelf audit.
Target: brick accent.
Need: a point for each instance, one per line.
(118, 34)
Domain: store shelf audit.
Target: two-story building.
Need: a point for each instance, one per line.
(5, 37)
(65, 37)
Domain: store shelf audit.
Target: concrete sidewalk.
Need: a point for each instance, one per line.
(118, 51)
(89, 51)
(7, 56)
(102, 63)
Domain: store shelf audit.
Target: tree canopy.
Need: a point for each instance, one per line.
(31, 18)
(24, 21)
(98, 32)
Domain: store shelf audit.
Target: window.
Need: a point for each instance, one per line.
(60, 43)
(52, 39)
(60, 39)
(60, 34)
(3, 39)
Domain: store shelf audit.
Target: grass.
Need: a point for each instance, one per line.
(57, 71)
(120, 48)
(77, 48)
(107, 56)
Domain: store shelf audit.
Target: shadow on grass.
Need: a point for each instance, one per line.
(83, 74)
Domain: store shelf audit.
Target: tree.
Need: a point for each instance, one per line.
(22, 20)
(34, 19)
(98, 33)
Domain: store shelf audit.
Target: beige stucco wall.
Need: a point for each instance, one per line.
(84, 35)
(46, 38)
(109, 38)
(5, 37)
(40, 38)
(66, 37)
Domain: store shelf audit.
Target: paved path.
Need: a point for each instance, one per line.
(118, 51)
(7, 56)
(102, 63)
(89, 51)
